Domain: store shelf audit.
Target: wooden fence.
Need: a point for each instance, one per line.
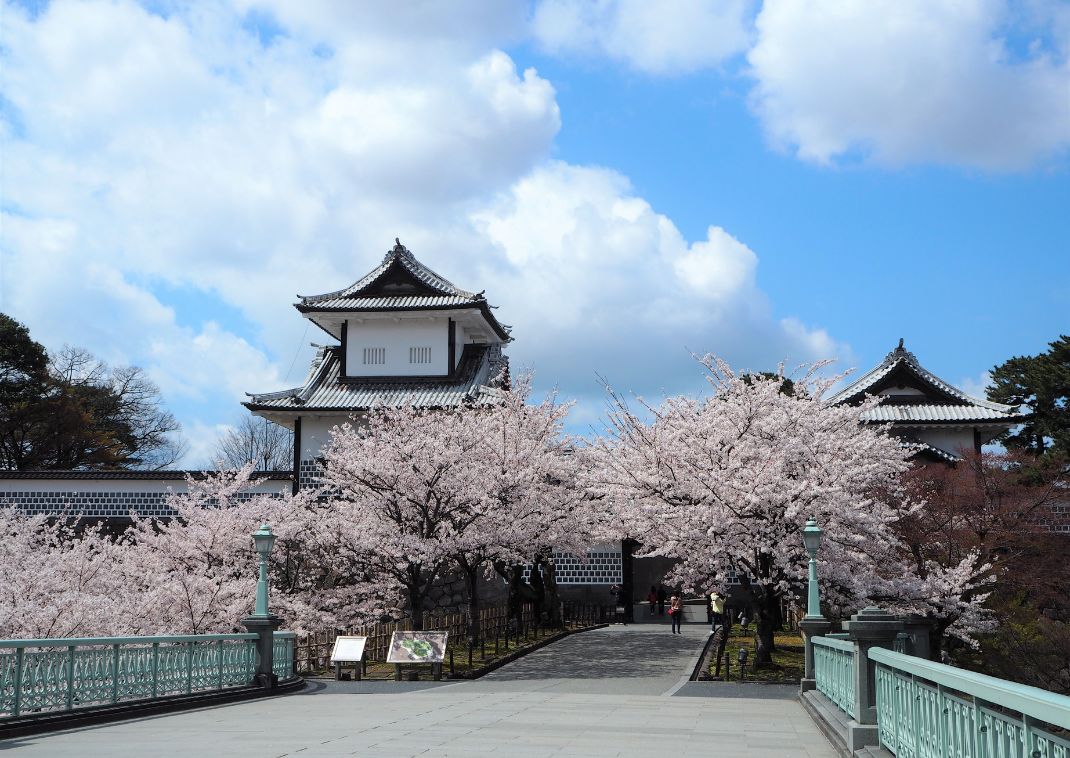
(312, 652)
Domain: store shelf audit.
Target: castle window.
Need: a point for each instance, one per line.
(419, 355)
(374, 356)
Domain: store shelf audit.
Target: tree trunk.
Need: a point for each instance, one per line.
(553, 600)
(767, 613)
(471, 578)
(416, 608)
(538, 590)
(416, 589)
(519, 591)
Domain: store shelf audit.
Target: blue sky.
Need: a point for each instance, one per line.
(627, 180)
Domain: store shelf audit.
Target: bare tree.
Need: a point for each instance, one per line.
(259, 441)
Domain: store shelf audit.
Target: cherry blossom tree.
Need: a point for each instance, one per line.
(525, 465)
(724, 484)
(63, 582)
(424, 491)
(1009, 509)
(192, 574)
(200, 567)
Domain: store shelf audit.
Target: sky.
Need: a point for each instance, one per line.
(632, 182)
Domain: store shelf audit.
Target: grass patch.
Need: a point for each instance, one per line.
(788, 659)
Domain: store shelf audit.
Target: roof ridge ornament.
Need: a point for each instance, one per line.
(901, 352)
(396, 250)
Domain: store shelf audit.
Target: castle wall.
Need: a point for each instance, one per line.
(396, 338)
(102, 495)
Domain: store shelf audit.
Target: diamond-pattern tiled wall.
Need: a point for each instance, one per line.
(602, 567)
(100, 504)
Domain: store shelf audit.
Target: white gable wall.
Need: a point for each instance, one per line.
(396, 337)
(951, 440)
(316, 433)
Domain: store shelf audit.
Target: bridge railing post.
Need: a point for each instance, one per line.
(870, 627)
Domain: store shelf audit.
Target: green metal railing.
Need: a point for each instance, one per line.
(929, 710)
(282, 655)
(53, 675)
(834, 671)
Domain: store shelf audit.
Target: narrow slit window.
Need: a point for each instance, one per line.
(419, 355)
(374, 356)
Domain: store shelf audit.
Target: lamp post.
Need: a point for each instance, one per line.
(813, 624)
(811, 535)
(262, 622)
(264, 541)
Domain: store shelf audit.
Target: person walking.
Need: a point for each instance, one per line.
(676, 613)
(661, 601)
(652, 598)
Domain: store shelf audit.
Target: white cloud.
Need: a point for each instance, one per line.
(910, 81)
(598, 282)
(656, 37)
(203, 441)
(977, 386)
(161, 156)
(970, 83)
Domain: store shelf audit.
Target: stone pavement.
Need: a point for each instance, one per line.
(608, 692)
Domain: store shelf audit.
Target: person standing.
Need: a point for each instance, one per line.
(661, 601)
(676, 613)
(652, 599)
(716, 609)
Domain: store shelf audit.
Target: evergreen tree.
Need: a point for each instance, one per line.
(1041, 383)
(72, 411)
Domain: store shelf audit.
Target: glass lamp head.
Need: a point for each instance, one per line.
(811, 535)
(264, 540)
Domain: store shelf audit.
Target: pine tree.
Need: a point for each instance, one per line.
(1042, 384)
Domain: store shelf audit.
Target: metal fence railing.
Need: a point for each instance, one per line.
(834, 671)
(283, 654)
(67, 674)
(932, 710)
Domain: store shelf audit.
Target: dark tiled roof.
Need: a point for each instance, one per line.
(474, 382)
(427, 291)
(933, 412)
(951, 404)
(402, 256)
(171, 474)
(394, 303)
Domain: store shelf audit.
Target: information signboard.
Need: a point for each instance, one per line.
(348, 649)
(417, 647)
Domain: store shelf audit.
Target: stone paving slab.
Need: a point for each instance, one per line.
(527, 709)
(746, 690)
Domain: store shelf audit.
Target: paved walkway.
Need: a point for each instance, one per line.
(612, 692)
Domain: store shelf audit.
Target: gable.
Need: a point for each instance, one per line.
(902, 384)
(396, 280)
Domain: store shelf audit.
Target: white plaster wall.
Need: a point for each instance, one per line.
(397, 337)
(950, 440)
(316, 432)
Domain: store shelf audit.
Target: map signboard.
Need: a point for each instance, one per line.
(417, 647)
(348, 649)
